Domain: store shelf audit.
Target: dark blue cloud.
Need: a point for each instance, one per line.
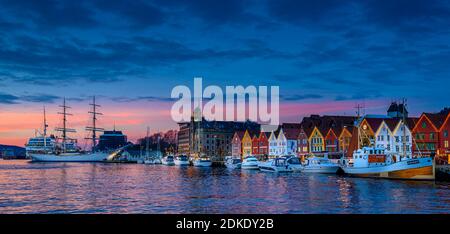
(335, 48)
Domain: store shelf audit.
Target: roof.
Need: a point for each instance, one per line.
(411, 122)
(395, 107)
(240, 134)
(437, 119)
(391, 123)
(374, 123)
(291, 133)
(327, 122)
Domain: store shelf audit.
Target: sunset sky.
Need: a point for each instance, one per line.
(325, 55)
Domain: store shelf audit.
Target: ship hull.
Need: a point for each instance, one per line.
(413, 169)
(92, 157)
(321, 169)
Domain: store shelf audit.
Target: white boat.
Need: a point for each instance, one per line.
(370, 161)
(319, 165)
(70, 157)
(181, 160)
(202, 162)
(373, 162)
(250, 163)
(293, 162)
(233, 162)
(168, 160)
(67, 150)
(275, 165)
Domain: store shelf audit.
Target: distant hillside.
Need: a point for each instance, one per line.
(7, 150)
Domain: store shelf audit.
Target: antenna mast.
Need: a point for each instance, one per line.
(94, 128)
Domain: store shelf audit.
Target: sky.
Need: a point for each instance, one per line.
(325, 55)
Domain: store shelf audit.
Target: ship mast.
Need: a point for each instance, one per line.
(45, 130)
(64, 129)
(94, 128)
(147, 143)
(358, 107)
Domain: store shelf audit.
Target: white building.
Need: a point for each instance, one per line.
(390, 136)
(273, 144)
(402, 133)
(282, 143)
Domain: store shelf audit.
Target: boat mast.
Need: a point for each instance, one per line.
(94, 128)
(64, 129)
(147, 143)
(358, 107)
(45, 130)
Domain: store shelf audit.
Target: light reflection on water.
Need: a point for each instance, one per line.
(135, 188)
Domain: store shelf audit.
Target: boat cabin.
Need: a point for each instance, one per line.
(369, 156)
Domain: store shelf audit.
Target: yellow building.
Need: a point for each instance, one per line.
(246, 144)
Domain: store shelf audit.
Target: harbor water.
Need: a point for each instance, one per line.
(137, 188)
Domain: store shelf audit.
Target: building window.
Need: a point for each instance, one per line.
(446, 144)
(431, 136)
(445, 133)
(424, 125)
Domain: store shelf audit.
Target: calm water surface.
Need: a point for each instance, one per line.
(134, 188)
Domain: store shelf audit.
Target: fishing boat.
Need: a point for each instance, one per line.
(67, 150)
(168, 160)
(181, 160)
(319, 165)
(371, 161)
(250, 163)
(233, 162)
(202, 162)
(275, 165)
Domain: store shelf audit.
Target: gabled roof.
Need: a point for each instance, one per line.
(392, 123)
(437, 119)
(374, 123)
(411, 122)
(240, 134)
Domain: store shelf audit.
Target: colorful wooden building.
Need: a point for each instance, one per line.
(426, 134)
(236, 144)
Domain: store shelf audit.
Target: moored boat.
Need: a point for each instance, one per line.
(293, 162)
(250, 163)
(181, 160)
(202, 162)
(168, 160)
(275, 165)
(373, 162)
(319, 165)
(233, 162)
(67, 150)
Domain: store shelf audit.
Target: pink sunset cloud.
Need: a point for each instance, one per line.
(18, 123)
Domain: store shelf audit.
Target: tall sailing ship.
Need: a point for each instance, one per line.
(66, 150)
(371, 161)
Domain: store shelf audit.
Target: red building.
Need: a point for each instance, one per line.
(255, 144)
(444, 138)
(331, 141)
(426, 134)
(302, 143)
(263, 143)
